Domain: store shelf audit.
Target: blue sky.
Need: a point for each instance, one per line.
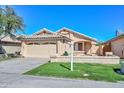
(99, 22)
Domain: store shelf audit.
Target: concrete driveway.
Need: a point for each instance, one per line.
(11, 77)
(20, 65)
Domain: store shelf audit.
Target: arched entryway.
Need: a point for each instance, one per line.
(82, 47)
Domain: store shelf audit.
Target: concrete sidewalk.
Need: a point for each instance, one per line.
(25, 81)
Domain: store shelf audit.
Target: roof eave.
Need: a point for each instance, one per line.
(43, 38)
(115, 38)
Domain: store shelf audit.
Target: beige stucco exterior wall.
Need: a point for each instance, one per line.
(11, 49)
(73, 36)
(90, 46)
(23, 50)
(88, 59)
(62, 47)
(101, 49)
(95, 49)
(117, 47)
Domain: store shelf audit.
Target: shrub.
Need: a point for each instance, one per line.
(11, 55)
(17, 53)
(65, 53)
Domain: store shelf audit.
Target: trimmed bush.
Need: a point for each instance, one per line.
(65, 53)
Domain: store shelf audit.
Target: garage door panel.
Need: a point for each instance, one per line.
(40, 50)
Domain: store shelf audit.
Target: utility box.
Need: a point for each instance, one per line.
(122, 67)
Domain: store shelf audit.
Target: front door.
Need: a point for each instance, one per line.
(79, 46)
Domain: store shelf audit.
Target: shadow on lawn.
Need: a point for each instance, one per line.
(65, 66)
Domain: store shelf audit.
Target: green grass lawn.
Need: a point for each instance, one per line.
(95, 71)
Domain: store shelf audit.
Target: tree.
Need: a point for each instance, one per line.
(10, 22)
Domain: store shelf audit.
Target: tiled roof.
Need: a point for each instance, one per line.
(45, 29)
(115, 38)
(8, 39)
(45, 36)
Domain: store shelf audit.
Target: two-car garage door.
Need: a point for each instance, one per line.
(40, 50)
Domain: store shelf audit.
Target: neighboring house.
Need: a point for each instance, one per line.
(9, 45)
(114, 45)
(46, 43)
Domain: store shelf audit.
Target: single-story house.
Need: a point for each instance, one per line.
(9, 45)
(46, 43)
(114, 45)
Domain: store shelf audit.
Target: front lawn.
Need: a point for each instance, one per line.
(81, 71)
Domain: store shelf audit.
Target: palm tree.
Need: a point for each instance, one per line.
(10, 22)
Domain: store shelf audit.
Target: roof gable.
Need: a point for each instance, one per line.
(46, 31)
(43, 31)
(77, 33)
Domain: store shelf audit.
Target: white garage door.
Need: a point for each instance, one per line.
(40, 50)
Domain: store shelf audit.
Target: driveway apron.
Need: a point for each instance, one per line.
(21, 65)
